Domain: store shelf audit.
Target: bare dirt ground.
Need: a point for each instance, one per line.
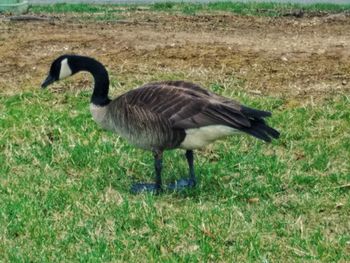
(289, 56)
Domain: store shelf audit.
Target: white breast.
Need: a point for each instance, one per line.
(200, 137)
(99, 114)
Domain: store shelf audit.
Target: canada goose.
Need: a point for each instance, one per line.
(164, 115)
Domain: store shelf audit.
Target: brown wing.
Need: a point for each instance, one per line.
(186, 105)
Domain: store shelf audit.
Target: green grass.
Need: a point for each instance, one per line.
(99, 12)
(64, 187)
(66, 8)
(252, 8)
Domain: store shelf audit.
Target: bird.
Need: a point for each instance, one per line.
(164, 115)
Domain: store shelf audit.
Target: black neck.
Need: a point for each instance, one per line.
(100, 93)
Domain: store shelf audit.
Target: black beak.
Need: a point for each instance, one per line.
(49, 80)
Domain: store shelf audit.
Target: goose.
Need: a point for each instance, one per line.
(163, 116)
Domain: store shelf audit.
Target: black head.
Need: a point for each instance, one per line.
(61, 68)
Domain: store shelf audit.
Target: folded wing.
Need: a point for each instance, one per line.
(186, 106)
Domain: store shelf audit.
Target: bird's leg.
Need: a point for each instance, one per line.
(186, 182)
(189, 157)
(157, 186)
(158, 165)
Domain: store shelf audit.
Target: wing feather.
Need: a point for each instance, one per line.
(181, 105)
(186, 105)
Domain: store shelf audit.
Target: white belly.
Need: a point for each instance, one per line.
(200, 137)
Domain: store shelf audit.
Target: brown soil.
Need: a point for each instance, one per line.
(281, 56)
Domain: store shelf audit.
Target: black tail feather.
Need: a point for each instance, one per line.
(253, 113)
(261, 130)
(258, 127)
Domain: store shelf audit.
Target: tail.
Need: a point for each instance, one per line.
(258, 127)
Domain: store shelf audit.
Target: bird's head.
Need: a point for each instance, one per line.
(62, 67)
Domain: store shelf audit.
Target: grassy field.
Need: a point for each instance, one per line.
(265, 9)
(64, 182)
(65, 188)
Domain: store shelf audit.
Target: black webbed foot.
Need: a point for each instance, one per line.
(182, 184)
(145, 187)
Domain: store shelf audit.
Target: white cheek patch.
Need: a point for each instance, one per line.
(65, 69)
(200, 137)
